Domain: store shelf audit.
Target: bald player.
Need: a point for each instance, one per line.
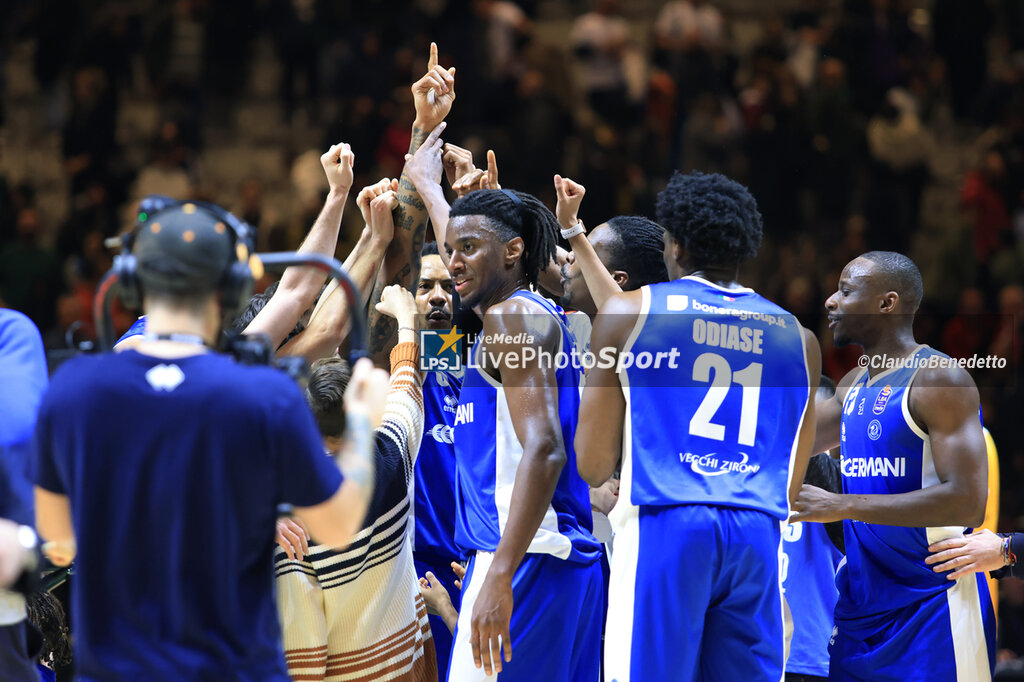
(914, 473)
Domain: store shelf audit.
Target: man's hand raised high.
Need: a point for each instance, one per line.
(382, 220)
(433, 94)
(479, 179)
(570, 196)
(371, 192)
(337, 163)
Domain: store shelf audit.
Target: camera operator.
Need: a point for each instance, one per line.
(171, 460)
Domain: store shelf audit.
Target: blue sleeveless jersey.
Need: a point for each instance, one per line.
(488, 452)
(809, 583)
(885, 452)
(434, 520)
(715, 398)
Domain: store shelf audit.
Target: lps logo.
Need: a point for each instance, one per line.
(442, 433)
(440, 352)
(875, 429)
(165, 377)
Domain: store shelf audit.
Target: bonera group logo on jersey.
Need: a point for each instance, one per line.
(712, 464)
(440, 352)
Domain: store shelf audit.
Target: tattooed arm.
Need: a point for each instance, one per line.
(433, 96)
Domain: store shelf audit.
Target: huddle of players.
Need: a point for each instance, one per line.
(711, 454)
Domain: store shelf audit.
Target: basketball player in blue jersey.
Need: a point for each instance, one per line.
(914, 473)
(434, 515)
(711, 444)
(533, 584)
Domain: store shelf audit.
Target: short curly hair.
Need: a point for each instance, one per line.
(714, 218)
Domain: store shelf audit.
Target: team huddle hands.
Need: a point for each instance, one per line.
(338, 163)
(390, 475)
(570, 196)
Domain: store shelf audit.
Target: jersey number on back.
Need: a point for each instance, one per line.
(749, 378)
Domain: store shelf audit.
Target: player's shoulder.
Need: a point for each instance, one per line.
(520, 320)
(943, 376)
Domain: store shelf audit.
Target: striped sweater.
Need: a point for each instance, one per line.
(357, 614)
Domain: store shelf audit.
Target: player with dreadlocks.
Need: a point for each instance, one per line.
(523, 511)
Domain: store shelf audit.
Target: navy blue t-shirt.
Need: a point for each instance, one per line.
(174, 469)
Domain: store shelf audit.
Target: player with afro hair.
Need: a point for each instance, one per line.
(709, 221)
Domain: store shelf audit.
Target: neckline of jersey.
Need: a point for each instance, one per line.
(873, 379)
(741, 290)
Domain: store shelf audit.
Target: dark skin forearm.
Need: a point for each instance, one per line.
(402, 260)
(937, 505)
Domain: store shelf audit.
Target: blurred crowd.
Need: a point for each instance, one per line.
(853, 122)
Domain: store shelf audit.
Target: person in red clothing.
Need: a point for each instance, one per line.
(983, 200)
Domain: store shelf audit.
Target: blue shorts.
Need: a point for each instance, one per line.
(556, 621)
(694, 595)
(442, 570)
(948, 637)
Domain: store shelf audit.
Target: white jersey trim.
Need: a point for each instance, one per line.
(872, 379)
(800, 425)
(737, 290)
(508, 455)
(970, 649)
(625, 520)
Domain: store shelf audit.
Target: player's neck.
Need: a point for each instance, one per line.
(724, 277)
(502, 293)
(898, 344)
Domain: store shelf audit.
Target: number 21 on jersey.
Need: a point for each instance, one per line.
(749, 379)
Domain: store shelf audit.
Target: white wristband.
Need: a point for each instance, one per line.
(574, 230)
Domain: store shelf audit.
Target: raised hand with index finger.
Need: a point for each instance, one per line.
(434, 93)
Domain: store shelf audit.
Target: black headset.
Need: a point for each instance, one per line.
(236, 282)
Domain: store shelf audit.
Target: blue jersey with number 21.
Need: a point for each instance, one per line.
(716, 395)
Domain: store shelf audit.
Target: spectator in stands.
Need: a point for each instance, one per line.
(599, 39)
(28, 270)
